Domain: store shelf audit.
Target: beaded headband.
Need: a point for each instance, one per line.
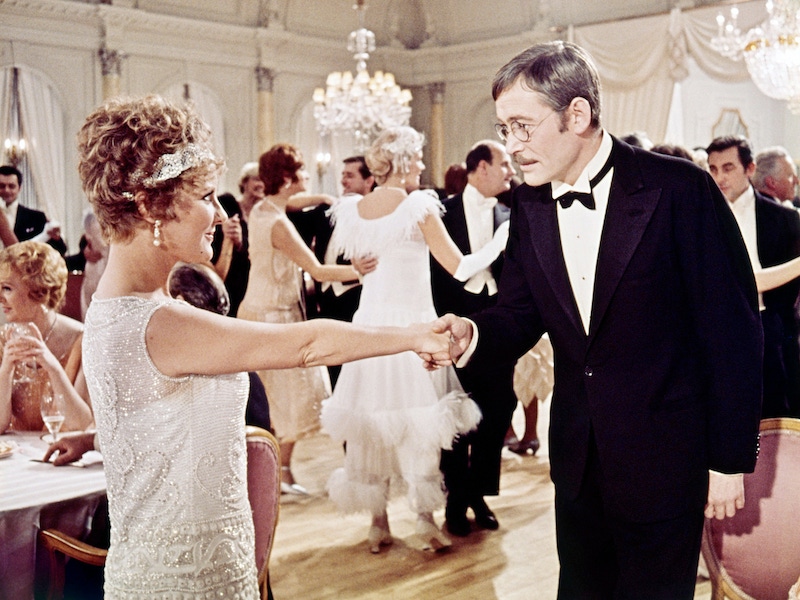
(407, 143)
(169, 166)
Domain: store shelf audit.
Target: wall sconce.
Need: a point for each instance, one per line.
(323, 162)
(15, 150)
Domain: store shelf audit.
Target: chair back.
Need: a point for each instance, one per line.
(756, 553)
(72, 297)
(264, 491)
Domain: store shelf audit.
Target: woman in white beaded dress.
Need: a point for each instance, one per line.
(394, 418)
(167, 380)
(274, 295)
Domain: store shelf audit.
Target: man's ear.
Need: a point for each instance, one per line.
(579, 115)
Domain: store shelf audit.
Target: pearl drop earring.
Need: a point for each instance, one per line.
(157, 233)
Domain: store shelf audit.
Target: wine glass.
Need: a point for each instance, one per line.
(23, 372)
(52, 407)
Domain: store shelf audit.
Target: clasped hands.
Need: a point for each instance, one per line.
(450, 337)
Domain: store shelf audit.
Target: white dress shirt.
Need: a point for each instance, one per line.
(744, 211)
(581, 228)
(479, 214)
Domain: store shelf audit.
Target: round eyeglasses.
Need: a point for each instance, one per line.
(521, 131)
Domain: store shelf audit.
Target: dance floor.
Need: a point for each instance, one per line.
(320, 554)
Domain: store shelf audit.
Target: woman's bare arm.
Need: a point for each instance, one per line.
(183, 340)
(286, 239)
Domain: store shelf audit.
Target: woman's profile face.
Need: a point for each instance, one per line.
(15, 299)
(301, 185)
(415, 169)
(188, 237)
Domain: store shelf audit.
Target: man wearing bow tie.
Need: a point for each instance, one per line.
(649, 300)
(472, 468)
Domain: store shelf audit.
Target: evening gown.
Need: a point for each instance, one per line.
(274, 296)
(175, 463)
(393, 414)
(26, 414)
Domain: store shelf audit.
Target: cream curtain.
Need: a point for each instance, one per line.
(641, 60)
(43, 126)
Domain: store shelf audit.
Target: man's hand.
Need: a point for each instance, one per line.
(364, 264)
(460, 333)
(725, 494)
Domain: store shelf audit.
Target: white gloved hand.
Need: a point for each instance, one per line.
(476, 262)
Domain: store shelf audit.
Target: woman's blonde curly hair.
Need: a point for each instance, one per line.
(40, 267)
(119, 146)
(393, 151)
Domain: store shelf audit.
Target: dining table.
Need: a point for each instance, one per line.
(35, 495)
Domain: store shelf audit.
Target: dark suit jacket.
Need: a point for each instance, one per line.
(449, 294)
(315, 228)
(31, 223)
(778, 240)
(239, 271)
(668, 380)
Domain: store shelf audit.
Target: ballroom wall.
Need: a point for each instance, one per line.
(59, 41)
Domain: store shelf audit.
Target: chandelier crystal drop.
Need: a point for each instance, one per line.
(771, 50)
(360, 104)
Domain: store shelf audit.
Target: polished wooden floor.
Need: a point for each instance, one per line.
(320, 554)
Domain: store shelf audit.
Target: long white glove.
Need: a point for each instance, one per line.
(476, 262)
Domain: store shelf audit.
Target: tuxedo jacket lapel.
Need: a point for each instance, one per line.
(630, 207)
(546, 240)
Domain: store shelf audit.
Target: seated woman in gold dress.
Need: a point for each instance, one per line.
(33, 281)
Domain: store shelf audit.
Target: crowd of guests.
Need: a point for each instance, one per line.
(160, 369)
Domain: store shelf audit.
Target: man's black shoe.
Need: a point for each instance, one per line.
(484, 518)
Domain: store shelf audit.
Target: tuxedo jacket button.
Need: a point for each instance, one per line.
(588, 371)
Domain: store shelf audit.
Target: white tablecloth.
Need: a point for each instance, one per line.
(35, 495)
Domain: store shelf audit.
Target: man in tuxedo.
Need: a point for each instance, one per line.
(335, 300)
(28, 224)
(771, 235)
(638, 273)
(775, 175)
(472, 468)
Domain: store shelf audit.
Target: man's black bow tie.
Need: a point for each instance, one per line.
(586, 198)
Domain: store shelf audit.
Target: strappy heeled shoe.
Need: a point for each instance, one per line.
(431, 537)
(292, 488)
(526, 447)
(377, 537)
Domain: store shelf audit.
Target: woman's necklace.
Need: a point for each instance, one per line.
(391, 187)
(274, 206)
(52, 326)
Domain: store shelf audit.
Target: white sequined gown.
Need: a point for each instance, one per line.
(394, 415)
(175, 463)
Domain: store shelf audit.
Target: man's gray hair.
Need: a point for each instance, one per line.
(767, 163)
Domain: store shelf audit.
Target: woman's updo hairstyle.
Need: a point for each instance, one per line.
(149, 145)
(278, 163)
(41, 268)
(393, 151)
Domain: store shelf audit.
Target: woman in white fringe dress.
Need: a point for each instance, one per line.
(394, 416)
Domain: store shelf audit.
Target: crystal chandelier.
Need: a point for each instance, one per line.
(361, 105)
(771, 50)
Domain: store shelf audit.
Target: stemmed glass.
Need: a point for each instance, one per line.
(52, 407)
(23, 372)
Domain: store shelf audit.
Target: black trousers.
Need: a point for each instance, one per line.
(606, 557)
(472, 467)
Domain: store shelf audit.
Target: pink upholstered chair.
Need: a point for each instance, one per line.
(264, 490)
(756, 554)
